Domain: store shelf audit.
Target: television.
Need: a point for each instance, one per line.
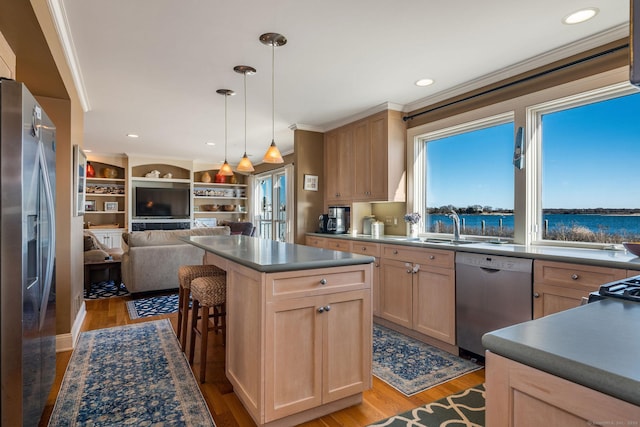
(162, 202)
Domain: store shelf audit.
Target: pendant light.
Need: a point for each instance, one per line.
(245, 164)
(225, 169)
(273, 39)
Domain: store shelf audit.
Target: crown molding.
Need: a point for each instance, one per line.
(366, 113)
(310, 128)
(591, 42)
(59, 16)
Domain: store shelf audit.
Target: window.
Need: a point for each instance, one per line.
(469, 169)
(589, 153)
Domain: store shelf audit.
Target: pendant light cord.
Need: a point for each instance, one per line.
(245, 113)
(273, 91)
(225, 126)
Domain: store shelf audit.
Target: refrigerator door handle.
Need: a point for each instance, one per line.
(51, 221)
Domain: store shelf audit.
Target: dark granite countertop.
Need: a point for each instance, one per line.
(596, 257)
(596, 345)
(270, 256)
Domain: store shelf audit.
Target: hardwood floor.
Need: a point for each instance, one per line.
(380, 402)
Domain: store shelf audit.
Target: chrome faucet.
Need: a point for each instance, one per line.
(456, 224)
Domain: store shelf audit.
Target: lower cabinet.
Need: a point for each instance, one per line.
(417, 290)
(314, 348)
(111, 238)
(559, 286)
(522, 396)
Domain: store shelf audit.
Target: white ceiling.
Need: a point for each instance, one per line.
(152, 67)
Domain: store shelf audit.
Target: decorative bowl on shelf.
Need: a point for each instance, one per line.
(210, 208)
(633, 247)
(109, 173)
(228, 208)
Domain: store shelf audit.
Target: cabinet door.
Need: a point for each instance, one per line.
(434, 311)
(379, 148)
(362, 165)
(316, 242)
(548, 299)
(293, 357)
(339, 165)
(347, 337)
(396, 291)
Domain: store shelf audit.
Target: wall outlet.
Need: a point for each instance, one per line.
(388, 220)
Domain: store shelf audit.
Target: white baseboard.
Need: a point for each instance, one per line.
(67, 342)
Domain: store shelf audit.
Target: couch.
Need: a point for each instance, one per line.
(151, 259)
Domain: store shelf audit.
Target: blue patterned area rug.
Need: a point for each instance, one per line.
(153, 306)
(466, 408)
(130, 375)
(106, 290)
(411, 366)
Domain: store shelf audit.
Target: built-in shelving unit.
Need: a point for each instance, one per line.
(106, 200)
(218, 200)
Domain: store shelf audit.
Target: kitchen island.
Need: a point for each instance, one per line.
(574, 368)
(299, 326)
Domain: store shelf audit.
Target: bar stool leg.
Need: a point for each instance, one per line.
(194, 329)
(204, 334)
(183, 316)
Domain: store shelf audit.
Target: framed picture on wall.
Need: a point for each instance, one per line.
(310, 183)
(79, 179)
(111, 206)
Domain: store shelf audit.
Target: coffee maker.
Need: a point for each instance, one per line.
(339, 219)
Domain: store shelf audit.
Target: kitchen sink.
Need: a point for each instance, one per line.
(450, 241)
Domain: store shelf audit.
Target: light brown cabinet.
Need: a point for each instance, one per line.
(365, 160)
(559, 286)
(371, 249)
(338, 163)
(299, 343)
(316, 242)
(315, 347)
(417, 290)
(522, 396)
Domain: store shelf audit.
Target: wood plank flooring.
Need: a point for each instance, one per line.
(380, 402)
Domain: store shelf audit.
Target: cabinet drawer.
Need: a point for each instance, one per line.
(367, 248)
(339, 245)
(574, 275)
(317, 242)
(431, 257)
(338, 280)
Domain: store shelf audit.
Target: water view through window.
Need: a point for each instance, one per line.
(472, 173)
(590, 155)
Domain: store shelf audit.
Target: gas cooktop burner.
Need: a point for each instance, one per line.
(628, 289)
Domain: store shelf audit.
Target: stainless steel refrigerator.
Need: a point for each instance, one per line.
(27, 259)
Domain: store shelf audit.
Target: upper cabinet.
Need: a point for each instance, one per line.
(365, 160)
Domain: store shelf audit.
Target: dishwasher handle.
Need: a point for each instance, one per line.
(490, 270)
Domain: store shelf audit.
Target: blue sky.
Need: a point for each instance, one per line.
(590, 154)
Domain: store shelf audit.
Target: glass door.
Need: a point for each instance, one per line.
(271, 200)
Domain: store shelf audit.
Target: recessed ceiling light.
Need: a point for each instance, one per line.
(133, 135)
(580, 16)
(424, 82)
(210, 143)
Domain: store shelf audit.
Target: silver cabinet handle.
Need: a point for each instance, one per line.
(574, 277)
(395, 252)
(432, 257)
(364, 248)
(323, 309)
(323, 281)
(409, 267)
(536, 295)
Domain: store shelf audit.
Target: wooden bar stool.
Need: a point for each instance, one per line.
(209, 293)
(186, 273)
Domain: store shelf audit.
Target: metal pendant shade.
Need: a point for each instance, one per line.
(245, 164)
(273, 39)
(226, 168)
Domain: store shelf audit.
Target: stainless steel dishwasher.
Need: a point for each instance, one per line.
(492, 292)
